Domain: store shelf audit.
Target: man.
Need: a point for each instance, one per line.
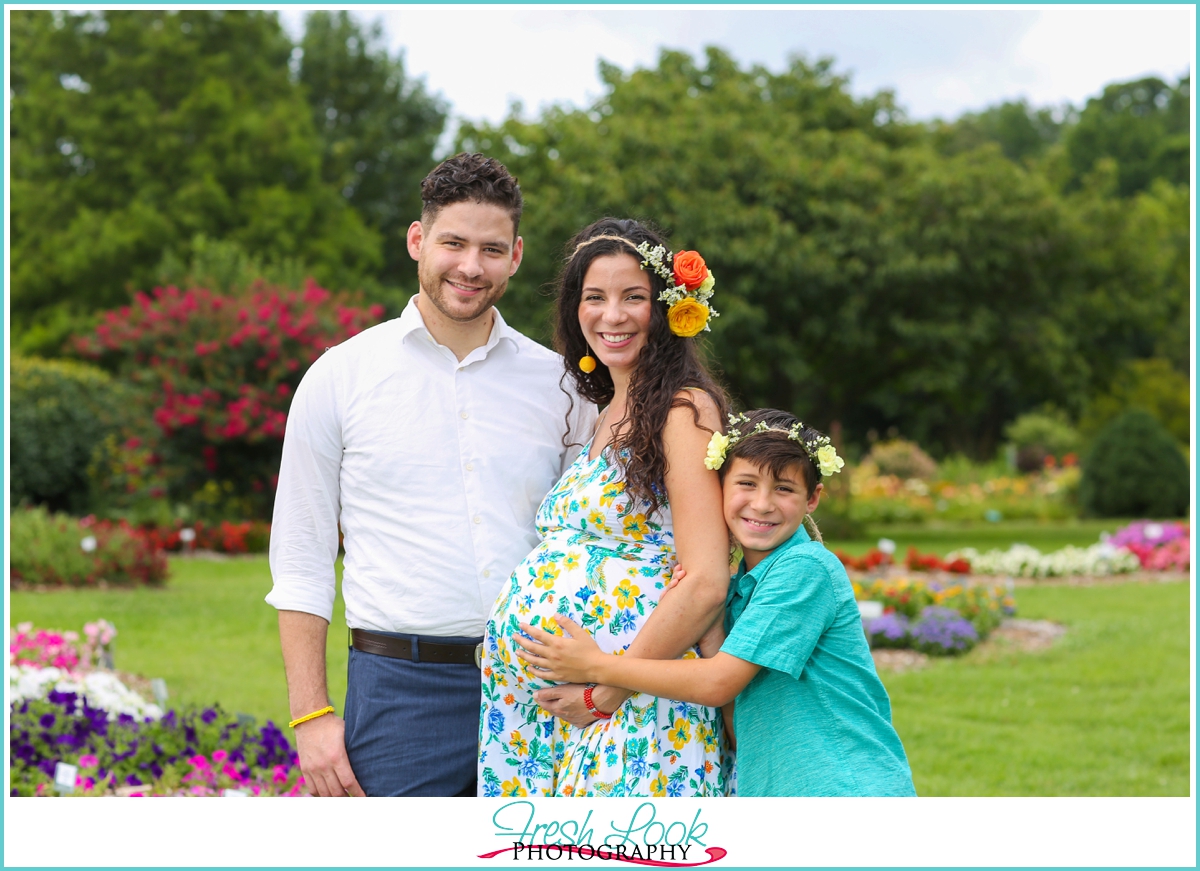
(431, 439)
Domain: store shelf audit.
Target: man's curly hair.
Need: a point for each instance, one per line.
(470, 177)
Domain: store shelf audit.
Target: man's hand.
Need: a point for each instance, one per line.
(321, 744)
(565, 701)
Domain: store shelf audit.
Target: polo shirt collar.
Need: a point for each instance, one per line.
(410, 320)
(749, 578)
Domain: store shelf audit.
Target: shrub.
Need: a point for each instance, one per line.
(903, 459)
(54, 550)
(887, 631)
(218, 372)
(1134, 468)
(1152, 385)
(61, 411)
(942, 631)
(1041, 434)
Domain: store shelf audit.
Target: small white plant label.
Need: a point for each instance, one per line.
(234, 793)
(64, 777)
(158, 686)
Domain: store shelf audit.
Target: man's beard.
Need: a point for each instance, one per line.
(434, 289)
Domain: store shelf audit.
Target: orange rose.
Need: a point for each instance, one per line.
(687, 317)
(690, 269)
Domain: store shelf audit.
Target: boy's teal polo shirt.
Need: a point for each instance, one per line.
(816, 719)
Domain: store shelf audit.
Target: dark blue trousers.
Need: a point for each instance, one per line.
(412, 728)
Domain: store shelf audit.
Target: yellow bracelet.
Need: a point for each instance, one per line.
(312, 716)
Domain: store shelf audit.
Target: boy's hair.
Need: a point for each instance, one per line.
(775, 451)
(470, 177)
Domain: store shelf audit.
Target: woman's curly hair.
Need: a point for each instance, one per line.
(668, 363)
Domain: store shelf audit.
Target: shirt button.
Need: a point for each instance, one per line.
(487, 573)
(470, 467)
(464, 415)
(478, 519)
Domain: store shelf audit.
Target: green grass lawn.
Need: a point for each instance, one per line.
(941, 537)
(1104, 712)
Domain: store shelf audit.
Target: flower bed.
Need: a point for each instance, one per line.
(250, 536)
(54, 550)
(121, 744)
(1159, 547)
(933, 615)
(1023, 561)
(883, 498)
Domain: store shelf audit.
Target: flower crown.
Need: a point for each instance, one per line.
(819, 449)
(689, 286)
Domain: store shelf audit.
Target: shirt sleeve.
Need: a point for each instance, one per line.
(789, 609)
(304, 527)
(581, 424)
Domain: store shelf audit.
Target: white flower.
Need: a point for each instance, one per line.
(717, 446)
(88, 544)
(828, 461)
(103, 689)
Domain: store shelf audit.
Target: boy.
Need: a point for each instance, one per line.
(811, 715)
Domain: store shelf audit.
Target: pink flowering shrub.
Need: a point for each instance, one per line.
(218, 373)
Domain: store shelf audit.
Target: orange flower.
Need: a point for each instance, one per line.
(690, 269)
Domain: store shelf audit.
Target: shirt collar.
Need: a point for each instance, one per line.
(410, 320)
(801, 536)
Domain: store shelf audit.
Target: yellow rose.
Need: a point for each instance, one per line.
(687, 317)
(828, 461)
(717, 446)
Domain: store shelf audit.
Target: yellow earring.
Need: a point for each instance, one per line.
(587, 363)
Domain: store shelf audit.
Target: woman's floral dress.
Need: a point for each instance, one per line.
(603, 561)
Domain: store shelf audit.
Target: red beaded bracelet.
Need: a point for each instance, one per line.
(587, 700)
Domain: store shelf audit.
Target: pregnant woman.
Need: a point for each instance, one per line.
(637, 500)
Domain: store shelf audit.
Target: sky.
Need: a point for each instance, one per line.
(939, 61)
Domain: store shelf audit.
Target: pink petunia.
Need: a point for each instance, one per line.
(279, 774)
(88, 761)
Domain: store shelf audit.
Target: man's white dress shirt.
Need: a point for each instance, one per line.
(433, 467)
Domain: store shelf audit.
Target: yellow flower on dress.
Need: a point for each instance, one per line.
(571, 561)
(601, 611)
(512, 788)
(635, 526)
(687, 317)
(709, 736)
(658, 788)
(517, 743)
(626, 594)
(680, 734)
(611, 492)
(596, 519)
(546, 576)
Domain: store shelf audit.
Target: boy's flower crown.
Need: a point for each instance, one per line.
(819, 449)
(689, 287)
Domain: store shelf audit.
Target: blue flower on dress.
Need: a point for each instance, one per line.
(495, 721)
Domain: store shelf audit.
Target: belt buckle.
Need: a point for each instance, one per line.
(479, 655)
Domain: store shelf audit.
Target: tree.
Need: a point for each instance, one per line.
(1022, 131)
(1143, 125)
(133, 132)
(378, 127)
(862, 276)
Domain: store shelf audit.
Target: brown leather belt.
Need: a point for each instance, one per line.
(413, 649)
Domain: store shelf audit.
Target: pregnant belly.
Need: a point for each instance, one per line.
(608, 592)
